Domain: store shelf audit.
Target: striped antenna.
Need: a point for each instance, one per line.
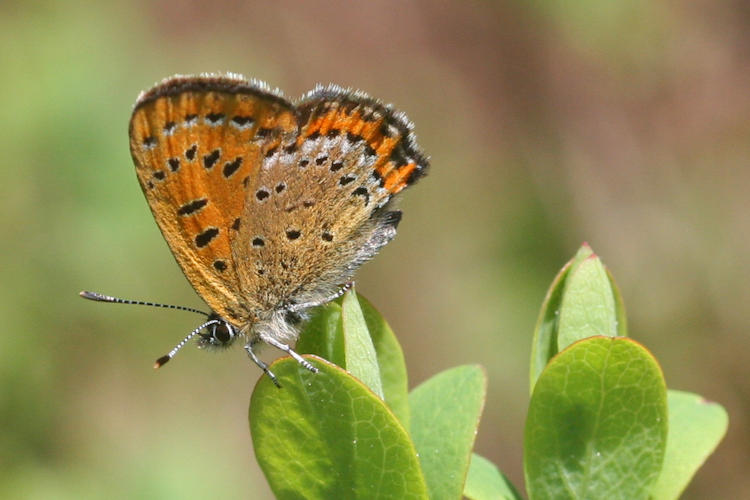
(161, 361)
(106, 298)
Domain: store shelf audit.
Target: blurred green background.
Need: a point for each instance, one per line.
(624, 124)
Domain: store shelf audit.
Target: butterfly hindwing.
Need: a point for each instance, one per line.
(380, 135)
(319, 207)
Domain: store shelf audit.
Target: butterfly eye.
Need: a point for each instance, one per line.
(221, 335)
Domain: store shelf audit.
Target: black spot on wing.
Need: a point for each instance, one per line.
(231, 167)
(206, 237)
(354, 138)
(362, 191)
(242, 121)
(214, 118)
(192, 207)
(149, 142)
(210, 159)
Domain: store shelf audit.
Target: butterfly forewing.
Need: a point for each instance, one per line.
(197, 144)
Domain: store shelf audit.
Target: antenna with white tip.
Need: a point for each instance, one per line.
(163, 360)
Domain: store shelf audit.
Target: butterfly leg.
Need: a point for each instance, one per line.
(347, 286)
(306, 305)
(260, 363)
(289, 351)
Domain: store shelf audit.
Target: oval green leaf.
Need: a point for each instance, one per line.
(597, 423)
(588, 304)
(361, 358)
(579, 304)
(326, 435)
(544, 344)
(696, 427)
(445, 413)
(486, 482)
(390, 361)
(620, 315)
(323, 335)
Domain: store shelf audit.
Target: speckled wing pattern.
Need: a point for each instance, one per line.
(265, 203)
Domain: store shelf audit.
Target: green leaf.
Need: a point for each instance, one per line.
(583, 300)
(325, 435)
(544, 344)
(390, 361)
(445, 413)
(324, 335)
(620, 315)
(361, 359)
(486, 482)
(588, 304)
(597, 423)
(696, 427)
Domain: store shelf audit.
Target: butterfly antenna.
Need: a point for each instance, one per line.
(106, 298)
(163, 360)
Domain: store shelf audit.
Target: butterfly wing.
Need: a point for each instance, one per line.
(197, 144)
(320, 205)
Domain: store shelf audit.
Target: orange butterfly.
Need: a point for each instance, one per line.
(268, 206)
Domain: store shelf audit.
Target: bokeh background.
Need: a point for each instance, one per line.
(624, 124)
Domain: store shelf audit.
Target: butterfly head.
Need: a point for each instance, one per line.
(218, 334)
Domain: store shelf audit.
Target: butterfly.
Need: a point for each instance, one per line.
(269, 206)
